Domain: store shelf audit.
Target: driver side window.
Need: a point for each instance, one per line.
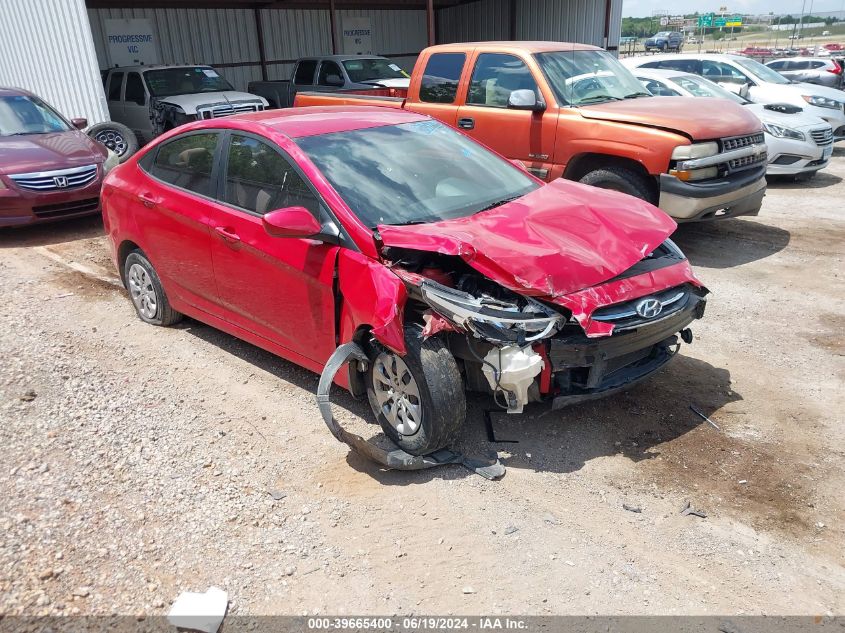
(259, 179)
(495, 76)
(721, 72)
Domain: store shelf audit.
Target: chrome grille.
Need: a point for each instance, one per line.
(226, 109)
(56, 180)
(625, 316)
(737, 142)
(747, 161)
(822, 136)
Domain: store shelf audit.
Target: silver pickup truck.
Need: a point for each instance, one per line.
(332, 73)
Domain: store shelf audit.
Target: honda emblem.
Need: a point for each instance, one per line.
(60, 181)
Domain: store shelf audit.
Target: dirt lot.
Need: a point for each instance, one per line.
(138, 462)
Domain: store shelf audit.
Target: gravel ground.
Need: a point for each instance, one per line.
(139, 462)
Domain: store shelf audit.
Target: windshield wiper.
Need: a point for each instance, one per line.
(498, 203)
(598, 99)
(634, 95)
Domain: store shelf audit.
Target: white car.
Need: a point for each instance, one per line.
(753, 80)
(150, 100)
(799, 144)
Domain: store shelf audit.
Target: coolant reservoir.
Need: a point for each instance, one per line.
(517, 367)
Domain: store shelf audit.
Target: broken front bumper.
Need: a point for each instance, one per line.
(588, 368)
(728, 197)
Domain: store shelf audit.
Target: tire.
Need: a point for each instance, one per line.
(620, 179)
(117, 137)
(146, 291)
(430, 380)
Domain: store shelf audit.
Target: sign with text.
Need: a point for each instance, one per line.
(357, 36)
(131, 42)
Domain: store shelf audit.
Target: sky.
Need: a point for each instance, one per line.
(644, 8)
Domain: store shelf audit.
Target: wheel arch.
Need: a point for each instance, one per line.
(126, 247)
(582, 164)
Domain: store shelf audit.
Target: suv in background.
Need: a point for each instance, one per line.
(811, 70)
(664, 41)
(150, 100)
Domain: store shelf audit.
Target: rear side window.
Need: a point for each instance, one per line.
(305, 72)
(114, 86)
(686, 65)
(777, 65)
(495, 76)
(134, 89)
(187, 162)
(818, 64)
(260, 179)
(441, 76)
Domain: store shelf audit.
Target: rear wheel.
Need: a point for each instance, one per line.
(620, 179)
(418, 398)
(146, 291)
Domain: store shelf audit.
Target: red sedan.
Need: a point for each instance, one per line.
(49, 169)
(453, 268)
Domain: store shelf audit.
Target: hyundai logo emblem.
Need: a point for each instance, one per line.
(649, 308)
(60, 181)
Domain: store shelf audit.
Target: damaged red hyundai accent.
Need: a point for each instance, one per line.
(452, 268)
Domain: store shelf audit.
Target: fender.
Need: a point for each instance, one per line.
(370, 294)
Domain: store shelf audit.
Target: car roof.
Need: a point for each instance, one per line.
(142, 68)
(530, 47)
(660, 73)
(312, 121)
(797, 58)
(14, 92)
(338, 58)
(710, 56)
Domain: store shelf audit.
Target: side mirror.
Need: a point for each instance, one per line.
(291, 222)
(743, 90)
(80, 123)
(334, 80)
(525, 100)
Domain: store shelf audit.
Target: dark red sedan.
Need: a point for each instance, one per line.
(302, 229)
(49, 168)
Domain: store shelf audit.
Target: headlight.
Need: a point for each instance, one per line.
(521, 321)
(112, 161)
(696, 150)
(783, 132)
(822, 102)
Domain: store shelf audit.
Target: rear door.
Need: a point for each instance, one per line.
(172, 208)
(438, 87)
(485, 115)
(278, 288)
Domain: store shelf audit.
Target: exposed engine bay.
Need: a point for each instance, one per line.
(523, 348)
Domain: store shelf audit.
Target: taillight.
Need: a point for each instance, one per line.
(837, 69)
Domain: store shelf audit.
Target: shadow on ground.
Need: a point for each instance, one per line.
(52, 233)
(635, 424)
(729, 243)
(821, 180)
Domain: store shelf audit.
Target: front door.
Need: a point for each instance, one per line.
(278, 288)
(521, 134)
(136, 108)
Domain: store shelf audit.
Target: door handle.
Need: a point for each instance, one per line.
(466, 123)
(227, 234)
(147, 200)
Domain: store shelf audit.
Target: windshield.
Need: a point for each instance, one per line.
(701, 87)
(361, 70)
(585, 77)
(662, 34)
(763, 73)
(20, 114)
(182, 81)
(414, 173)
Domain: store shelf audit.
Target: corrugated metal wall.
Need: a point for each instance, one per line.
(46, 47)
(555, 20)
(229, 36)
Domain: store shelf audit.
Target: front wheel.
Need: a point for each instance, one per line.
(620, 179)
(418, 398)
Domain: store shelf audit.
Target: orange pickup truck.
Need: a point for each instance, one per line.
(573, 111)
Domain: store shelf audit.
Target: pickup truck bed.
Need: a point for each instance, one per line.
(386, 97)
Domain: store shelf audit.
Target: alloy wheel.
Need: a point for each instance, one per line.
(397, 393)
(142, 291)
(113, 140)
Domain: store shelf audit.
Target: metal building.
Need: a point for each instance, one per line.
(57, 48)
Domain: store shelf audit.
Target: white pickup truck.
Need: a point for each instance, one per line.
(150, 100)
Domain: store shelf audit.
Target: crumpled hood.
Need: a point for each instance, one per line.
(43, 152)
(556, 240)
(190, 102)
(713, 118)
